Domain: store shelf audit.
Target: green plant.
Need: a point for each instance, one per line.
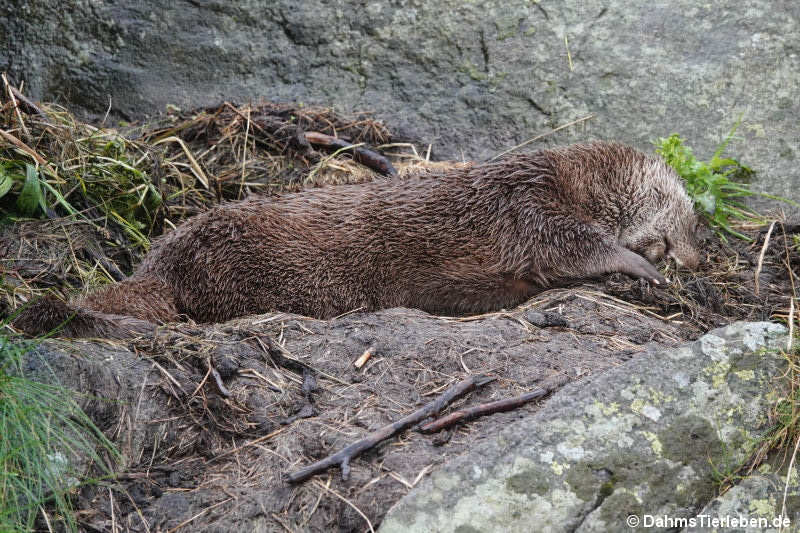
(30, 197)
(711, 184)
(93, 168)
(43, 434)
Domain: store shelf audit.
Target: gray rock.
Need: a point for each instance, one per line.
(641, 439)
(473, 78)
(546, 319)
(754, 505)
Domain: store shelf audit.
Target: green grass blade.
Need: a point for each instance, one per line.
(6, 182)
(30, 198)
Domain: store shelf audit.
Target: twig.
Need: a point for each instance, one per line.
(169, 376)
(105, 117)
(356, 310)
(282, 522)
(343, 456)
(193, 165)
(791, 324)
(201, 513)
(788, 475)
(316, 504)
(14, 103)
(411, 484)
(284, 358)
(792, 296)
(461, 358)
(27, 149)
(27, 105)
(95, 254)
(499, 406)
(761, 255)
(348, 502)
(534, 139)
(365, 156)
(113, 516)
(569, 56)
(248, 444)
(218, 380)
(202, 382)
(244, 153)
(46, 520)
(138, 511)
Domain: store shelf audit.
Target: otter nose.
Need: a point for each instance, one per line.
(689, 259)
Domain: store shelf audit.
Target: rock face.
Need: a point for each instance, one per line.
(472, 78)
(643, 439)
(756, 503)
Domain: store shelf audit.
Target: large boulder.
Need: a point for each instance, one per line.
(763, 502)
(642, 440)
(472, 78)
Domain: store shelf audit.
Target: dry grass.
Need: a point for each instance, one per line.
(102, 194)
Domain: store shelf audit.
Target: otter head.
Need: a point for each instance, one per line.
(675, 241)
(667, 225)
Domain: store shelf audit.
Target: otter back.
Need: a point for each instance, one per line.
(460, 240)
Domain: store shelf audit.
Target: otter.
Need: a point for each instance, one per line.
(466, 239)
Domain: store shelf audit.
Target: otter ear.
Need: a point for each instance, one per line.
(636, 266)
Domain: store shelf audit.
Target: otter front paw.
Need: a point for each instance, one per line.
(636, 266)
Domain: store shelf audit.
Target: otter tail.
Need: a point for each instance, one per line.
(51, 315)
(123, 310)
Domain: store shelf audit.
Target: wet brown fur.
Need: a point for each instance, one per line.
(450, 241)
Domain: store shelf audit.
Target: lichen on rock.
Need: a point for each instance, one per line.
(644, 438)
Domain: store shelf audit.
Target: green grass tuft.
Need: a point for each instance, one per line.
(43, 433)
(716, 186)
(90, 172)
(709, 183)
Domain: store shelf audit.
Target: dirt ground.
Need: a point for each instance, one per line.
(200, 461)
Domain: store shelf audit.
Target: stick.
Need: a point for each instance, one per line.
(468, 413)
(761, 255)
(284, 359)
(343, 456)
(201, 513)
(348, 502)
(27, 149)
(788, 477)
(365, 156)
(218, 380)
(193, 165)
(792, 296)
(244, 154)
(567, 125)
(791, 324)
(26, 104)
(247, 444)
(14, 102)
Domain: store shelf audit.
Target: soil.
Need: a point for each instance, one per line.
(200, 461)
